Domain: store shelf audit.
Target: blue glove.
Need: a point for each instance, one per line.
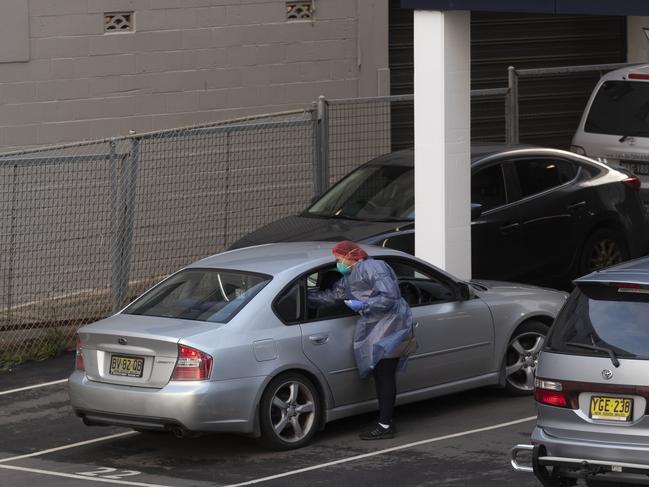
(356, 305)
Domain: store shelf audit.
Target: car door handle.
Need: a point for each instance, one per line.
(576, 206)
(319, 339)
(509, 228)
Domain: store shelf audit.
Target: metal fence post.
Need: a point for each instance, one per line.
(321, 170)
(513, 120)
(116, 228)
(124, 216)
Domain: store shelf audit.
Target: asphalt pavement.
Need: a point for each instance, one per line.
(457, 440)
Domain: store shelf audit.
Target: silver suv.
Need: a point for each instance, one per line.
(592, 384)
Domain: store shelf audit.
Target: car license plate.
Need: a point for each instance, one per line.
(611, 408)
(126, 366)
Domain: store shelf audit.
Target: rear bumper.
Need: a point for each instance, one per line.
(545, 467)
(596, 451)
(217, 406)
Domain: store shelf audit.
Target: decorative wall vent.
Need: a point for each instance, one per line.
(299, 10)
(118, 22)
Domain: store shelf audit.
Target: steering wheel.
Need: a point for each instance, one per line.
(410, 293)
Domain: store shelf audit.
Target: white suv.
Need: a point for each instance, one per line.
(615, 125)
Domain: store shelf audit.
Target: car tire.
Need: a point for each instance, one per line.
(604, 248)
(289, 412)
(521, 357)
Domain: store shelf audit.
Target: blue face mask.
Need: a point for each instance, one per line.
(343, 269)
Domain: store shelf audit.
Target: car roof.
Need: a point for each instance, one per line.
(405, 157)
(275, 258)
(632, 272)
(623, 73)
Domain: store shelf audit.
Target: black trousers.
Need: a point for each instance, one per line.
(385, 381)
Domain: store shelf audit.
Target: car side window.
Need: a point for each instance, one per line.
(288, 304)
(404, 242)
(488, 187)
(322, 280)
(420, 287)
(538, 175)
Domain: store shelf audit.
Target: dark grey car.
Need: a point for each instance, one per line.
(539, 216)
(592, 383)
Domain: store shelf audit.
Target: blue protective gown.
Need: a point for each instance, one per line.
(385, 324)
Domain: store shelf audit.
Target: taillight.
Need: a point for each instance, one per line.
(632, 182)
(192, 364)
(79, 356)
(638, 76)
(578, 150)
(549, 392)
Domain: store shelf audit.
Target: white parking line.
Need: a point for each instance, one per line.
(44, 384)
(66, 447)
(82, 477)
(381, 452)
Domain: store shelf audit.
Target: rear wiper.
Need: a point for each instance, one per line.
(637, 133)
(608, 351)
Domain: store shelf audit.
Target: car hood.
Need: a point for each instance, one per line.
(496, 290)
(304, 228)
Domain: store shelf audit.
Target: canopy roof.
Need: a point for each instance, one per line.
(587, 7)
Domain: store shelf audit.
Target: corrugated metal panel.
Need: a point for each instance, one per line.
(551, 107)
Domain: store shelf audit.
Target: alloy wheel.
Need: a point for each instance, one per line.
(604, 253)
(292, 411)
(522, 358)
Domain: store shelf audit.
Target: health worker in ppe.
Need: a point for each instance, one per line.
(384, 335)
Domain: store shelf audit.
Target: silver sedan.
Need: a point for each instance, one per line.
(230, 344)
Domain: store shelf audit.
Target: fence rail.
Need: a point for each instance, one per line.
(86, 227)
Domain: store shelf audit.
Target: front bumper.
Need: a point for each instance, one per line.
(209, 406)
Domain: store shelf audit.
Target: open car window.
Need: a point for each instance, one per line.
(211, 295)
(319, 281)
(419, 286)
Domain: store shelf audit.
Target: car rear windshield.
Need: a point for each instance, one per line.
(374, 192)
(620, 108)
(605, 317)
(200, 294)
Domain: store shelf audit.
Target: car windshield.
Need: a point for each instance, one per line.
(620, 108)
(200, 294)
(602, 317)
(373, 192)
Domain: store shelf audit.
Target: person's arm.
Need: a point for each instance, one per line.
(328, 297)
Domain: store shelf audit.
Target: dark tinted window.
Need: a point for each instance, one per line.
(200, 294)
(602, 316)
(419, 287)
(538, 175)
(288, 305)
(488, 187)
(404, 242)
(620, 108)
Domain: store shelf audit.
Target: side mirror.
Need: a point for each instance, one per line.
(476, 210)
(466, 292)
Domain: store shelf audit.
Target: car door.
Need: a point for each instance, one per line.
(551, 209)
(327, 341)
(496, 250)
(455, 337)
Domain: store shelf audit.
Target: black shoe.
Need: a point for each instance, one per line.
(378, 433)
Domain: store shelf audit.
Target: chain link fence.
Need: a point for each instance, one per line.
(84, 228)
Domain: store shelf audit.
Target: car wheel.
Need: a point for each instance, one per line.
(603, 248)
(521, 357)
(289, 412)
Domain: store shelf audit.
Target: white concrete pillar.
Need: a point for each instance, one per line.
(442, 139)
(637, 42)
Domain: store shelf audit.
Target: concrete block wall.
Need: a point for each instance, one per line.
(188, 61)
